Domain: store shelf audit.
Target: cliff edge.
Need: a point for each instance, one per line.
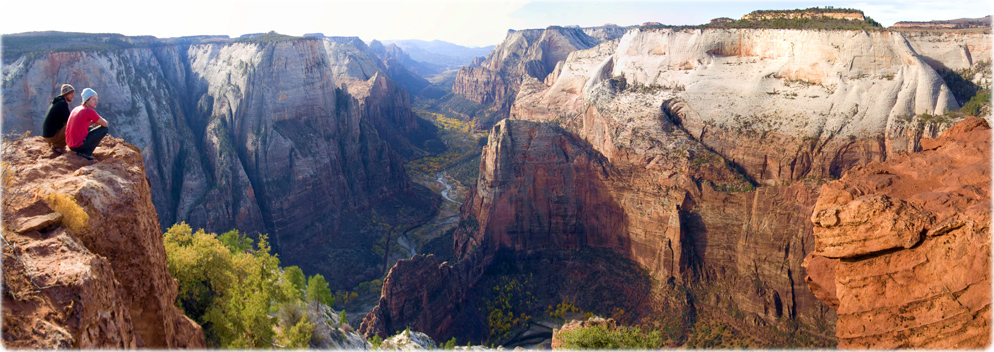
(903, 248)
(103, 284)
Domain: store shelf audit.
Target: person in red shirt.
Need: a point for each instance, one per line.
(85, 128)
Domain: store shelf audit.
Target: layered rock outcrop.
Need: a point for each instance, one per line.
(841, 14)
(781, 104)
(903, 247)
(104, 286)
(287, 137)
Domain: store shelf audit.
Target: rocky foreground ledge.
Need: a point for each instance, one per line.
(104, 285)
(903, 247)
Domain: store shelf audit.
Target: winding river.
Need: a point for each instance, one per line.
(448, 187)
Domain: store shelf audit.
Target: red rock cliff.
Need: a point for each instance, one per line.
(103, 287)
(903, 248)
(543, 188)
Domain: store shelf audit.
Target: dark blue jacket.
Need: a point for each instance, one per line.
(55, 120)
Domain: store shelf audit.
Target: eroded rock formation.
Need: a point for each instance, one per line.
(903, 247)
(533, 53)
(106, 286)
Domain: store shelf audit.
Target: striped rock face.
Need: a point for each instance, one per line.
(903, 247)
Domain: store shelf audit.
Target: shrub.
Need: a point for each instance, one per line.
(296, 328)
(600, 337)
(451, 344)
(73, 215)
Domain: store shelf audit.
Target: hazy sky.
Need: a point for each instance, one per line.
(469, 23)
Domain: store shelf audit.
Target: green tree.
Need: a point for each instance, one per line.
(230, 290)
(203, 268)
(235, 241)
(317, 290)
(296, 277)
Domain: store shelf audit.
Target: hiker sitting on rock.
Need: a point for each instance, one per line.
(53, 130)
(80, 137)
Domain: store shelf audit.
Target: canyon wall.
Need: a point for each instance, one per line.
(542, 189)
(104, 285)
(285, 137)
(903, 247)
(697, 154)
(781, 104)
(951, 50)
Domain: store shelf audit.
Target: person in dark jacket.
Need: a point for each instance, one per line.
(54, 128)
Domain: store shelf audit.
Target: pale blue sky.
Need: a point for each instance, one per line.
(469, 23)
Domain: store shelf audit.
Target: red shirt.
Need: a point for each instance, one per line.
(79, 125)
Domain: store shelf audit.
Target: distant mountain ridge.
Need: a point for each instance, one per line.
(437, 52)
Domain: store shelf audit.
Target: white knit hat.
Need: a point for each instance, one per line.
(87, 93)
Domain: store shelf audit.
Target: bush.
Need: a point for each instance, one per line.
(449, 345)
(73, 215)
(296, 328)
(600, 337)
